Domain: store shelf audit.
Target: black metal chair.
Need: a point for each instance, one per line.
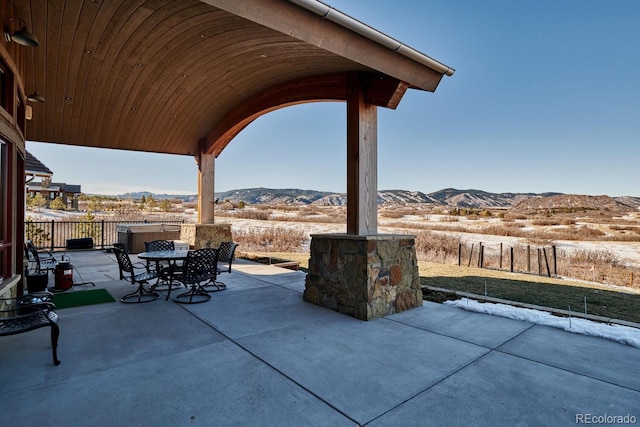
(166, 271)
(159, 245)
(39, 262)
(226, 255)
(24, 314)
(38, 300)
(128, 273)
(199, 270)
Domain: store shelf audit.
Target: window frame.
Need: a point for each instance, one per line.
(6, 208)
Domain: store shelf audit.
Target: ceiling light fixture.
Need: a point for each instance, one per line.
(21, 36)
(35, 97)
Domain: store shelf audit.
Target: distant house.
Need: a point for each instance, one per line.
(34, 168)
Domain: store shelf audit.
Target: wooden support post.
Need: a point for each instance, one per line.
(459, 253)
(555, 260)
(206, 190)
(528, 258)
(546, 261)
(500, 266)
(470, 256)
(539, 263)
(362, 160)
(511, 250)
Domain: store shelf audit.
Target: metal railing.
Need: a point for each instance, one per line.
(53, 235)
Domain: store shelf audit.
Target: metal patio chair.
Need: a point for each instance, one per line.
(199, 271)
(159, 245)
(39, 261)
(27, 313)
(167, 271)
(136, 274)
(226, 254)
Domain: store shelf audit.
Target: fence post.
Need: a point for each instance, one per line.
(546, 261)
(555, 261)
(539, 263)
(500, 265)
(511, 250)
(470, 256)
(528, 258)
(102, 235)
(53, 234)
(481, 256)
(459, 253)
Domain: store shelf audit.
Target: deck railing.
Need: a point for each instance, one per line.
(53, 235)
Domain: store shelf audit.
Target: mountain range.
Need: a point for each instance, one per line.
(446, 197)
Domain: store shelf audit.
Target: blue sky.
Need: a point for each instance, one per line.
(545, 97)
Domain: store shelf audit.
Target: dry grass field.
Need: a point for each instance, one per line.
(595, 245)
(597, 253)
(598, 242)
(551, 255)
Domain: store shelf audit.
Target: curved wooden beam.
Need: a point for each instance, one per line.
(380, 90)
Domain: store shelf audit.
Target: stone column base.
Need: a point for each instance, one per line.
(205, 235)
(363, 276)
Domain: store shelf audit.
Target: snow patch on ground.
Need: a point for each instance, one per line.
(619, 333)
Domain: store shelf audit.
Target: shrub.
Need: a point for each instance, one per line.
(276, 239)
(253, 214)
(57, 204)
(436, 247)
(546, 222)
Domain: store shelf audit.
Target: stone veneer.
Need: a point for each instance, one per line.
(205, 235)
(363, 276)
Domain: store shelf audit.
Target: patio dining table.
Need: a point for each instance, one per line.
(169, 256)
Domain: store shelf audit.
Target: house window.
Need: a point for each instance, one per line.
(3, 87)
(6, 88)
(3, 189)
(5, 212)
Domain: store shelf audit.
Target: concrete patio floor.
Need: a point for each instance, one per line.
(257, 354)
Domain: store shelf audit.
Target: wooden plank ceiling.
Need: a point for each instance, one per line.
(161, 76)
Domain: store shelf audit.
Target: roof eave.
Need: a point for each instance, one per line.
(319, 25)
(352, 24)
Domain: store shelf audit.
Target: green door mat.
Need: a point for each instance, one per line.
(78, 298)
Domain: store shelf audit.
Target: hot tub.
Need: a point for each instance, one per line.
(133, 236)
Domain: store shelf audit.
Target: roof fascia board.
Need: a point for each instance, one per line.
(37, 173)
(341, 36)
(334, 15)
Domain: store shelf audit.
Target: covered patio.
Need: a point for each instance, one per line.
(257, 354)
(185, 77)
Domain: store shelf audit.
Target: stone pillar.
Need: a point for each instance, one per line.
(206, 188)
(205, 235)
(363, 276)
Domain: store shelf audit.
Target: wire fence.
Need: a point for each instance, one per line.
(549, 261)
(527, 259)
